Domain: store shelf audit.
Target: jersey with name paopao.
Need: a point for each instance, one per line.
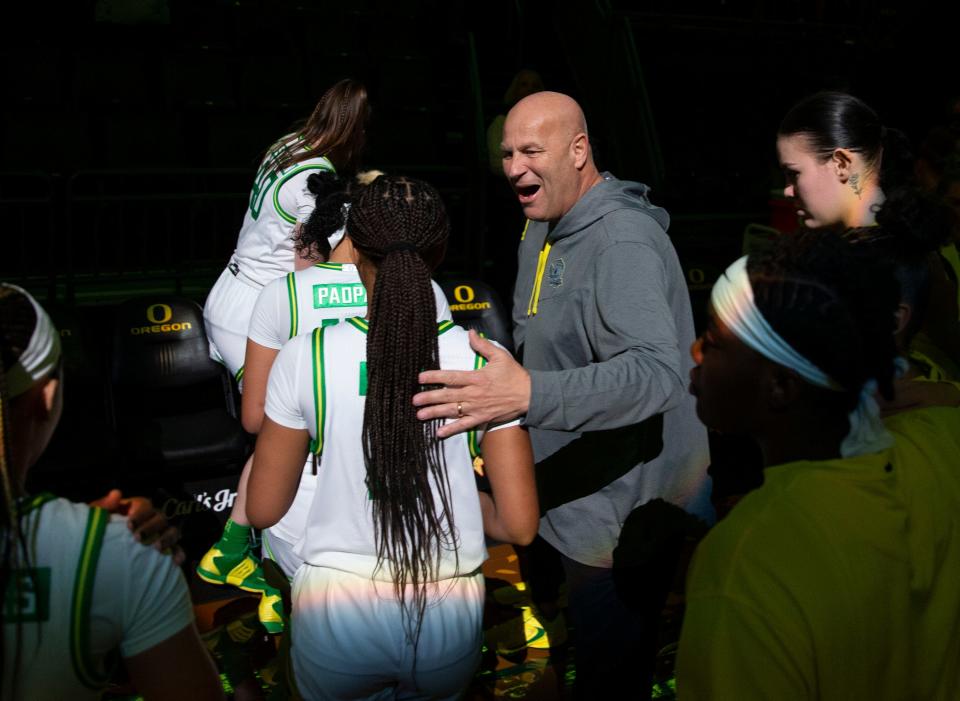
(322, 294)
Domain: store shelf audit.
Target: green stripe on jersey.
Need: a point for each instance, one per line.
(362, 387)
(292, 300)
(319, 390)
(82, 596)
(329, 266)
(364, 326)
(276, 188)
(28, 504)
(359, 323)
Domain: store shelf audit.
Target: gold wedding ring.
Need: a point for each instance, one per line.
(459, 410)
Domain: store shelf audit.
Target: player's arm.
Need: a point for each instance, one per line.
(511, 515)
(283, 441)
(277, 466)
(265, 336)
(257, 363)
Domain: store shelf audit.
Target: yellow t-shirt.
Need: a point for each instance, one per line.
(837, 579)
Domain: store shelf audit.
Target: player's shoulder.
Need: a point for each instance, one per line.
(455, 350)
(329, 272)
(277, 287)
(304, 167)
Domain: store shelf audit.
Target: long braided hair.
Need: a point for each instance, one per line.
(17, 322)
(336, 129)
(400, 225)
(834, 303)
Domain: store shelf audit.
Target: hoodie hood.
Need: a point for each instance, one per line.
(605, 197)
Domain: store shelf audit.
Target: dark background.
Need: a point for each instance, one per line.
(131, 128)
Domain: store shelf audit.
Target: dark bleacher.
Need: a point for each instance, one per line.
(97, 108)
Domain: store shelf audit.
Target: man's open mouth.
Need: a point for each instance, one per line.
(527, 192)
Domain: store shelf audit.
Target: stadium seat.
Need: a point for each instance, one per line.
(474, 305)
(172, 406)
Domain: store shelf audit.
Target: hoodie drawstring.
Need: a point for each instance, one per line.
(538, 279)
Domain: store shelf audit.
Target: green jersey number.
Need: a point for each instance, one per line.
(27, 598)
(266, 177)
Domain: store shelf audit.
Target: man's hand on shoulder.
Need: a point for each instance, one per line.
(499, 391)
(149, 526)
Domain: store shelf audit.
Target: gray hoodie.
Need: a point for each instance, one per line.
(606, 342)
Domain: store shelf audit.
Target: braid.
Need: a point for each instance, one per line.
(834, 303)
(400, 224)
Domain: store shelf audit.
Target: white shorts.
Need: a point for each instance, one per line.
(349, 640)
(226, 317)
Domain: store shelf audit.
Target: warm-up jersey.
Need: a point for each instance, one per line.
(278, 201)
(320, 295)
(295, 304)
(319, 383)
(89, 593)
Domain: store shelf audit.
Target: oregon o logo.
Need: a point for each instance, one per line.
(159, 317)
(464, 297)
(696, 276)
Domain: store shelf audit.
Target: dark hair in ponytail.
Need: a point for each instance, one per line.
(400, 225)
(834, 303)
(328, 216)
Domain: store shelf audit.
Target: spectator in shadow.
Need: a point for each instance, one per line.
(78, 585)
(833, 579)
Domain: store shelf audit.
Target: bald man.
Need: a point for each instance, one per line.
(602, 322)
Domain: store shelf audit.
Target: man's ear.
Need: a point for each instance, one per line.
(842, 160)
(581, 149)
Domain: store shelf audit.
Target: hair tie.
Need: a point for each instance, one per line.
(399, 246)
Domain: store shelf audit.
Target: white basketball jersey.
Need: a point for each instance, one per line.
(295, 304)
(320, 295)
(89, 595)
(319, 383)
(278, 200)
